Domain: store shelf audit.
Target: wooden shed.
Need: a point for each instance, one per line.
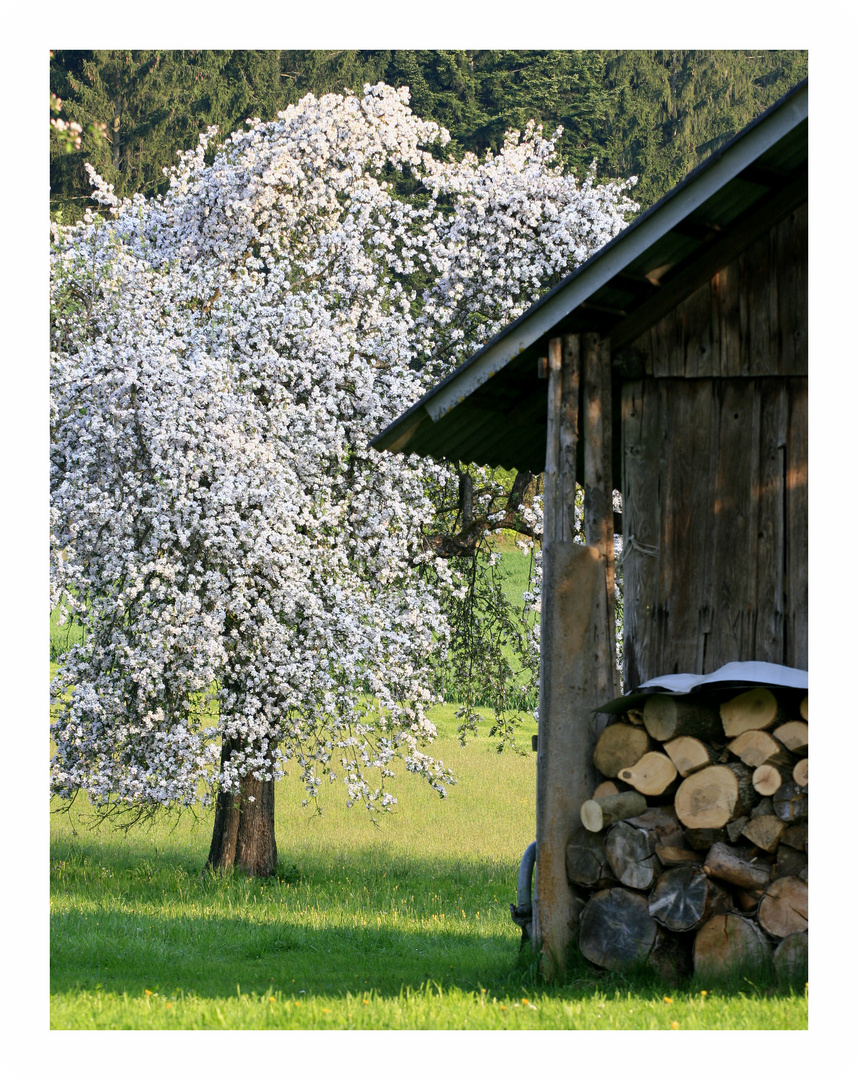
(676, 367)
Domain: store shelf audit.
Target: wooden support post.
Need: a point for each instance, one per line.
(575, 641)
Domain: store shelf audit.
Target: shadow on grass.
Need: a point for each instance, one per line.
(126, 921)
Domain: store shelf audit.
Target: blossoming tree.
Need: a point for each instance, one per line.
(259, 590)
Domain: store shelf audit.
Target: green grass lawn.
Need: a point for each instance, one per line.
(401, 926)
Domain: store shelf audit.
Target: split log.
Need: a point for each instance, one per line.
(795, 836)
(748, 900)
(630, 846)
(736, 828)
(708, 799)
(790, 803)
(765, 832)
(767, 779)
(619, 746)
(791, 958)
(684, 897)
(790, 863)
(754, 710)
(703, 839)
(670, 855)
(586, 860)
(667, 717)
(783, 910)
(727, 943)
(730, 865)
(598, 814)
(652, 775)
(759, 748)
(616, 929)
(799, 773)
(689, 755)
(670, 957)
(764, 806)
(793, 735)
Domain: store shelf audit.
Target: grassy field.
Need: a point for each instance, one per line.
(402, 926)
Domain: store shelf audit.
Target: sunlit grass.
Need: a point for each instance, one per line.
(404, 925)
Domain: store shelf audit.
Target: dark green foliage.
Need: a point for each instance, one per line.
(655, 114)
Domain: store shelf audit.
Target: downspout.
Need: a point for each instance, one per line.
(522, 910)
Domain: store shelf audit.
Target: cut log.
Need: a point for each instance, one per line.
(793, 735)
(652, 775)
(754, 710)
(708, 799)
(760, 748)
(767, 779)
(598, 814)
(586, 861)
(790, 803)
(667, 717)
(790, 959)
(607, 787)
(799, 773)
(616, 929)
(669, 855)
(631, 856)
(619, 746)
(684, 897)
(635, 716)
(630, 845)
(783, 910)
(803, 707)
(727, 943)
(689, 755)
(765, 832)
(730, 865)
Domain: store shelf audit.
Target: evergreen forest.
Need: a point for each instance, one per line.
(652, 114)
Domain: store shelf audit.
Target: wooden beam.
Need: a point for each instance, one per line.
(692, 273)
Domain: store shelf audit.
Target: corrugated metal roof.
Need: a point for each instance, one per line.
(492, 409)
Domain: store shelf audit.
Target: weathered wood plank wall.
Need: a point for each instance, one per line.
(715, 470)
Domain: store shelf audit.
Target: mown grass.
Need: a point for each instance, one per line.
(401, 926)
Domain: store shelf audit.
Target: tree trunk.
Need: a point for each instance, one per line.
(243, 833)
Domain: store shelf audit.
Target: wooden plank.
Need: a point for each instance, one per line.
(598, 490)
(698, 333)
(572, 609)
(569, 407)
(770, 531)
(797, 527)
(686, 513)
(732, 513)
(642, 432)
(759, 279)
(792, 292)
(730, 328)
(551, 480)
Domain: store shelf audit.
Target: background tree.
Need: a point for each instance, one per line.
(652, 114)
(221, 357)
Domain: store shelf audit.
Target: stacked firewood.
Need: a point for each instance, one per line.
(692, 854)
